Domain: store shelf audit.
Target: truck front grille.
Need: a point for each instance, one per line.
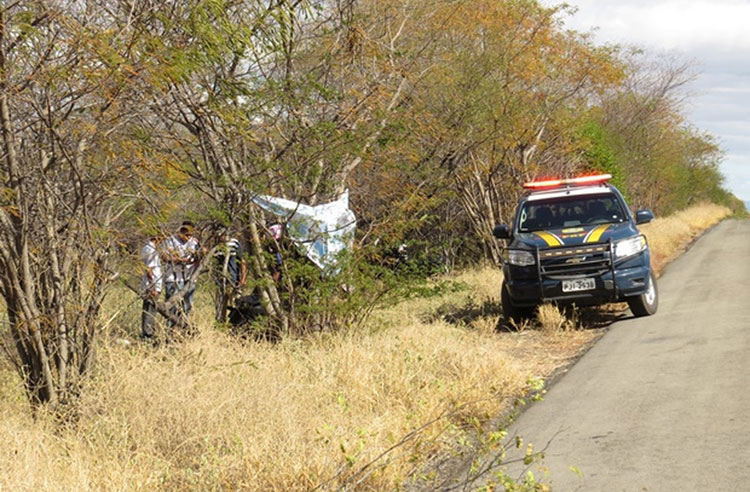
(580, 261)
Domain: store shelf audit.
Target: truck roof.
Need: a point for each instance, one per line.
(568, 191)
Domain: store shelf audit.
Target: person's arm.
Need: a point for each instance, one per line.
(169, 254)
(276, 269)
(198, 253)
(243, 272)
(152, 284)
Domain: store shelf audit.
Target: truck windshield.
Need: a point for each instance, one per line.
(574, 211)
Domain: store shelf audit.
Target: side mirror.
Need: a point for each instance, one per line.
(644, 216)
(501, 231)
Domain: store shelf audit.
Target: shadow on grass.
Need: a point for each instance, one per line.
(471, 311)
(592, 318)
(466, 313)
(586, 318)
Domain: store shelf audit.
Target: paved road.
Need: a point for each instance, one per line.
(662, 403)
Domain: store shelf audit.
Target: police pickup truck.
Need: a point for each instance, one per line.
(574, 241)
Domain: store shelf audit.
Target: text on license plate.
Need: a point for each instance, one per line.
(578, 284)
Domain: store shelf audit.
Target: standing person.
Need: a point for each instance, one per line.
(275, 233)
(181, 254)
(151, 285)
(230, 271)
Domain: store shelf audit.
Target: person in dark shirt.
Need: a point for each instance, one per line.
(230, 273)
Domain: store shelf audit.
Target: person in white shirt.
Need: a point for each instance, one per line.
(151, 284)
(180, 253)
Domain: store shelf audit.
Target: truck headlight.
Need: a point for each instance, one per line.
(630, 246)
(519, 257)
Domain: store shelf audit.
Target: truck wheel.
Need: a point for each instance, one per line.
(646, 303)
(510, 311)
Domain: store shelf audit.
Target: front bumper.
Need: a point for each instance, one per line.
(529, 286)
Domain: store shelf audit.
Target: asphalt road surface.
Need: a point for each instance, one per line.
(661, 403)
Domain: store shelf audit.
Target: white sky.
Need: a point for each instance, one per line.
(715, 37)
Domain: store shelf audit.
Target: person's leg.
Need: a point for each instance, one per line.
(170, 289)
(147, 319)
(184, 307)
(179, 307)
(187, 301)
(221, 303)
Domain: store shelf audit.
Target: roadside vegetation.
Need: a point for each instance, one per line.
(363, 410)
(119, 120)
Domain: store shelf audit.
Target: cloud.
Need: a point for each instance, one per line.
(683, 25)
(713, 36)
(737, 172)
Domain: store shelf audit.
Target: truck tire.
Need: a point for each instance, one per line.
(511, 312)
(647, 303)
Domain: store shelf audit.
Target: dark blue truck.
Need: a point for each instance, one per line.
(575, 241)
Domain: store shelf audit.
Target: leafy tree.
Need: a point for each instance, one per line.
(69, 171)
(599, 152)
(281, 99)
(498, 102)
(639, 131)
(433, 113)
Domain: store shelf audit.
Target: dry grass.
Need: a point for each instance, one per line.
(669, 236)
(214, 414)
(552, 320)
(217, 414)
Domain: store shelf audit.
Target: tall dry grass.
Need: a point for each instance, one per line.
(551, 319)
(215, 413)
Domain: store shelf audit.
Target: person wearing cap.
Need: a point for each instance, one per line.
(180, 253)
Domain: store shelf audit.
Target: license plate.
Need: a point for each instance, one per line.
(578, 284)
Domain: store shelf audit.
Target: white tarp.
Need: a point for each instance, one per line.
(322, 232)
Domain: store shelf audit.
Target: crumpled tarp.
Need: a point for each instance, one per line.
(322, 232)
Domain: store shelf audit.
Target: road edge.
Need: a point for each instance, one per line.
(461, 461)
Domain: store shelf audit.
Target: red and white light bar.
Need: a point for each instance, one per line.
(554, 183)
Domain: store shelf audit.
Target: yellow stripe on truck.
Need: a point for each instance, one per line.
(550, 239)
(596, 234)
